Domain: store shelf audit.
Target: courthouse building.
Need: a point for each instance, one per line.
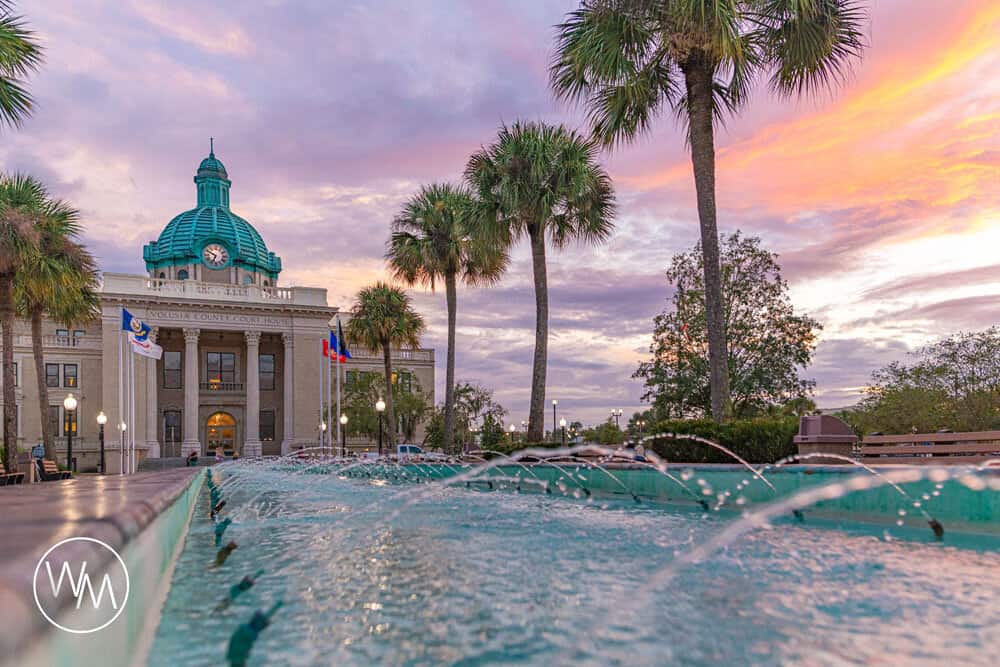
(241, 351)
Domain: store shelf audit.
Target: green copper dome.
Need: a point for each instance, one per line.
(211, 222)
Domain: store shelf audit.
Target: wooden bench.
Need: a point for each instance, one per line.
(48, 471)
(932, 448)
(10, 477)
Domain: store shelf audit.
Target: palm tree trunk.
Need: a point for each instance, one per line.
(43, 388)
(698, 78)
(536, 415)
(449, 389)
(390, 414)
(9, 395)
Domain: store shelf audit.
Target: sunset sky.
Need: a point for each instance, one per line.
(882, 198)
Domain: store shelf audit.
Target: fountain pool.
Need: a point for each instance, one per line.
(377, 572)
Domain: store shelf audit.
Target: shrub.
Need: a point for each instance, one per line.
(761, 440)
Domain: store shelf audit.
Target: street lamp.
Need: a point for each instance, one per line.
(554, 404)
(562, 425)
(343, 435)
(102, 419)
(617, 414)
(640, 423)
(512, 430)
(322, 434)
(380, 408)
(121, 446)
(69, 404)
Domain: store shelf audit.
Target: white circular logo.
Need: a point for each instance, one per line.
(69, 584)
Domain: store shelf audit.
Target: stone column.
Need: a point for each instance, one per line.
(251, 441)
(288, 405)
(152, 404)
(192, 441)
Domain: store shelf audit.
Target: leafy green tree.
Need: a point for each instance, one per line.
(360, 395)
(22, 204)
(61, 283)
(543, 183)
(606, 433)
(475, 411)
(432, 240)
(382, 319)
(768, 343)
(20, 55)
(953, 383)
(629, 60)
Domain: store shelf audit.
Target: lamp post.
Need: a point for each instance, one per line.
(640, 423)
(512, 430)
(343, 435)
(562, 425)
(102, 419)
(69, 404)
(380, 408)
(617, 414)
(554, 404)
(121, 448)
(322, 433)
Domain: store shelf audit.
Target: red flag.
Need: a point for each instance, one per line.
(326, 348)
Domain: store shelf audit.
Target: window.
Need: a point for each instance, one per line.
(171, 369)
(172, 426)
(69, 375)
(221, 367)
(51, 375)
(162, 275)
(406, 382)
(182, 274)
(266, 371)
(79, 333)
(62, 333)
(351, 378)
(69, 422)
(54, 419)
(267, 425)
(248, 280)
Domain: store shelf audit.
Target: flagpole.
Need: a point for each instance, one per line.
(340, 438)
(329, 398)
(320, 422)
(131, 409)
(121, 394)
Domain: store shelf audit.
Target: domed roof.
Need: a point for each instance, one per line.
(181, 242)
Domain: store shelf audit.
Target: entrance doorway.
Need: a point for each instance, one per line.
(220, 431)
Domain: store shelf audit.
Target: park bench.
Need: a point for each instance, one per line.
(10, 477)
(931, 448)
(48, 471)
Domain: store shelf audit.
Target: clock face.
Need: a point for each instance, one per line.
(215, 256)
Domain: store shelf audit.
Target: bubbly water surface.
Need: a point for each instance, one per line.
(467, 577)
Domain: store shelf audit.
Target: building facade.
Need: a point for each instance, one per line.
(242, 354)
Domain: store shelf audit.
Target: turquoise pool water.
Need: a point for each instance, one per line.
(374, 573)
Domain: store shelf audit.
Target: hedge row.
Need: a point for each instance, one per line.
(762, 440)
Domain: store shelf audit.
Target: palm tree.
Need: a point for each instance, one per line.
(542, 182)
(432, 239)
(61, 283)
(629, 59)
(22, 204)
(20, 54)
(381, 319)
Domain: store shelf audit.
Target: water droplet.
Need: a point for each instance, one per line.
(936, 493)
(741, 501)
(687, 474)
(926, 496)
(706, 492)
(916, 503)
(902, 512)
(701, 482)
(939, 486)
(899, 522)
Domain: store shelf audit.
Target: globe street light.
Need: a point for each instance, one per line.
(343, 435)
(322, 434)
(640, 423)
(121, 446)
(380, 408)
(102, 419)
(562, 425)
(69, 404)
(554, 404)
(512, 429)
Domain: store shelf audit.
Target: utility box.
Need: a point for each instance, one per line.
(825, 434)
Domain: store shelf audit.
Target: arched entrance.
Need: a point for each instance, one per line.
(220, 431)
